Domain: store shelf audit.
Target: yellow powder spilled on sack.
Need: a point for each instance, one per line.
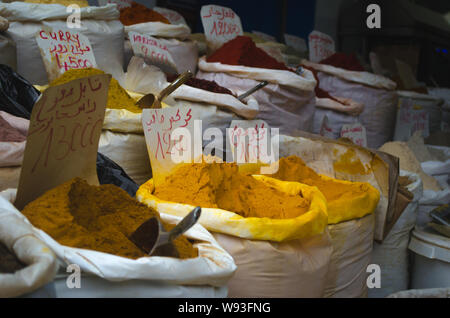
(99, 218)
(410, 163)
(220, 185)
(293, 168)
(118, 98)
(350, 163)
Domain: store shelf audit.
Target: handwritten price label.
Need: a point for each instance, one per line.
(120, 3)
(63, 136)
(411, 118)
(295, 42)
(321, 46)
(220, 25)
(164, 143)
(249, 140)
(153, 51)
(173, 16)
(356, 133)
(64, 49)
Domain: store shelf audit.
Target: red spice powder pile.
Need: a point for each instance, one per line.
(210, 86)
(243, 51)
(139, 13)
(348, 62)
(319, 92)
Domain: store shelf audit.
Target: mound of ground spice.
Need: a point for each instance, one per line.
(243, 51)
(348, 62)
(9, 133)
(100, 218)
(210, 86)
(221, 185)
(9, 263)
(139, 13)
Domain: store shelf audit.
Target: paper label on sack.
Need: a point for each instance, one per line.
(320, 45)
(325, 129)
(250, 141)
(171, 15)
(173, 136)
(154, 51)
(62, 143)
(356, 133)
(297, 43)
(220, 24)
(64, 49)
(120, 3)
(265, 36)
(411, 118)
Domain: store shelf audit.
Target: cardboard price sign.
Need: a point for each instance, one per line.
(295, 42)
(64, 49)
(320, 45)
(151, 49)
(63, 136)
(120, 3)
(220, 25)
(173, 16)
(356, 133)
(171, 135)
(250, 141)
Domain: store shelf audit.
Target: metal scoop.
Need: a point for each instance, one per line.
(152, 101)
(151, 237)
(252, 90)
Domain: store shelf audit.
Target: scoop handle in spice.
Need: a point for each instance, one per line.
(180, 80)
(186, 223)
(252, 90)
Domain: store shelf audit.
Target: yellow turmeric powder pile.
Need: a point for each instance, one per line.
(221, 185)
(118, 98)
(100, 218)
(293, 168)
(350, 163)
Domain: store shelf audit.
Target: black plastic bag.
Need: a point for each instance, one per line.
(17, 95)
(109, 172)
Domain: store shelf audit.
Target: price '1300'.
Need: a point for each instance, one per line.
(67, 140)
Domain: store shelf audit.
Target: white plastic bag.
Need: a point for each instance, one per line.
(19, 238)
(392, 255)
(287, 102)
(99, 24)
(213, 266)
(374, 91)
(352, 248)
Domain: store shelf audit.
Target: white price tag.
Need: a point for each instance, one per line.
(321, 46)
(356, 133)
(64, 49)
(295, 42)
(153, 51)
(173, 16)
(220, 25)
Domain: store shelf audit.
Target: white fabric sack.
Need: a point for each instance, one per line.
(287, 102)
(19, 238)
(352, 248)
(99, 24)
(443, 93)
(438, 168)
(213, 267)
(9, 177)
(392, 255)
(429, 201)
(374, 91)
(7, 52)
(160, 29)
(129, 151)
(292, 269)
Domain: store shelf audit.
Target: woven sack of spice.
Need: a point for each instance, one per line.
(13, 131)
(275, 257)
(287, 102)
(99, 24)
(392, 255)
(374, 91)
(30, 264)
(211, 268)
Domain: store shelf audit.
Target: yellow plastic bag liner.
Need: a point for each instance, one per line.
(311, 223)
